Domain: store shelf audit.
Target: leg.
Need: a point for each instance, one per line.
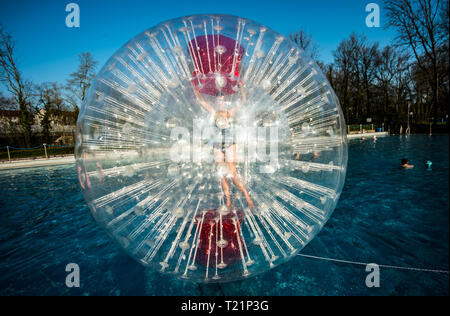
(226, 191)
(231, 162)
(219, 158)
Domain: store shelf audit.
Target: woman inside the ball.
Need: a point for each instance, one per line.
(224, 146)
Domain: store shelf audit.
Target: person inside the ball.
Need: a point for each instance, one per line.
(224, 146)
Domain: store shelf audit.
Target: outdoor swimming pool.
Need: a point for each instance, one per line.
(385, 215)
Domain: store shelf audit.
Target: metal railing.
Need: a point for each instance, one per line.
(364, 128)
(44, 150)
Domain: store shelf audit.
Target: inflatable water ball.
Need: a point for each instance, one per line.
(211, 148)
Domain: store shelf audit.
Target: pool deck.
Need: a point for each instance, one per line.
(367, 135)
(31, 163)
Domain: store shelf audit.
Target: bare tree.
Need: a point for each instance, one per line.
(305, 42)
(8, 126)
(12, 79)
(79, 82)
(392, 73)
(419, 27)
(344, 67)
(51, 101)
(367, 65)
(444, 27)
(7, 104)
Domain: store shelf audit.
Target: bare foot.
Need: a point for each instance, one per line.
(250, 202)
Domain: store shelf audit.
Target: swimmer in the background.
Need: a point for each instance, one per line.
(363, 138)
(374, 138)
(83, 177)
(314, 155)
(428, 165)
(405, 164)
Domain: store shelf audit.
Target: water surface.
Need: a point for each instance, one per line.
(386, 215)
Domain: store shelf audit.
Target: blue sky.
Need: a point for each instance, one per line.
(47, 50)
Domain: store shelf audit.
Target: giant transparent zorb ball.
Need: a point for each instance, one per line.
(211, 148)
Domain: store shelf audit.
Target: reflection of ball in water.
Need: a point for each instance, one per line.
(202, 196)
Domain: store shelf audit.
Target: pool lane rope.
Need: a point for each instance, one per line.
(379, 265)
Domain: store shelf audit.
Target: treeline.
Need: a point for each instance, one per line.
(49, 104)
(388, 84)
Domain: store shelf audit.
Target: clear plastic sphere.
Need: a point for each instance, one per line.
(211, 148)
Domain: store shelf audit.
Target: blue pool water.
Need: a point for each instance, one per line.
(385, 215)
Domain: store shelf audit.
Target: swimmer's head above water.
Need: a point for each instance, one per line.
(405, 164)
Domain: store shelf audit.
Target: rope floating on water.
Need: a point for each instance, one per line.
(380, 265)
